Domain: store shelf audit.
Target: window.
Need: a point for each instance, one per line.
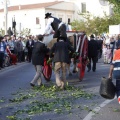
(68, 20)
(111, 11)
(60, 19)
(83, 7)
(103, 2)
(37, 20)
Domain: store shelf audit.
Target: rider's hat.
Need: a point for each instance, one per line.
(47, 15)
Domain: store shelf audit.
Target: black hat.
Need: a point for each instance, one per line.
(47, 15)
(92, 36)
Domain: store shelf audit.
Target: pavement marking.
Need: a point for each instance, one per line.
(97, 109)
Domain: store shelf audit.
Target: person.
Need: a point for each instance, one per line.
(108, 54)
(2, 51)
(100, 44)
(29, 46)
(38, 55)
(92, 53)
(69, 27)
(58, 26)
(114, 69)
(12, 56)
(104, 53)
(19, 49)
(61, 57)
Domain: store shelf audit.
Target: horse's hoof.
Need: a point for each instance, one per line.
(70, 74)
(74, 71)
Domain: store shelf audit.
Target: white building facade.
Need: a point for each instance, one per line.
(31, 16)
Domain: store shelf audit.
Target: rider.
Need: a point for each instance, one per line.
(58, 26)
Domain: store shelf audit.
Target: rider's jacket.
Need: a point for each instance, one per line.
(55, 24)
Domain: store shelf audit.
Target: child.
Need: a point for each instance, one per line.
(108, 54)
(105, 53)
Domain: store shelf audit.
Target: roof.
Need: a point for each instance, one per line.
(31, 6)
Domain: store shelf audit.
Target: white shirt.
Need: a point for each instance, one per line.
(48, 26)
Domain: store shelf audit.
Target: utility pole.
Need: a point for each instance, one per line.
(5, 15)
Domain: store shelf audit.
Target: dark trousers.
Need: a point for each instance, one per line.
(92, 60)
(118, 87)
(23, 56)
(29, 55)
(20, 56)
(1, 59)
(60, 32)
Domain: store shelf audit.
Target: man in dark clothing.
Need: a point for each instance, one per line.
(58, 26)
(100, 44)
(29, 46)
(38, 55)
(92, 53)
(61, 58)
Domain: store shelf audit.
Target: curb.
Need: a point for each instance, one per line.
(12, 66)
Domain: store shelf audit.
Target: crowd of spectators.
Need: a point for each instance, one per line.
(107, 46)
(14, 49)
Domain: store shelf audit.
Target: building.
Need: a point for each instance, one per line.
(31, 16)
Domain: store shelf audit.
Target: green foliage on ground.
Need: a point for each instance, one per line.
(48, 99)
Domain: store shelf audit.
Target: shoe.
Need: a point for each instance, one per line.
(119, 99)
(93, 70)
(88, 70)
(41, 85)
(32, 84)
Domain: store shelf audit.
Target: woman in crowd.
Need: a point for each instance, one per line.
(12, 56)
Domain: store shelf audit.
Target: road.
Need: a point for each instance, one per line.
(15, 82)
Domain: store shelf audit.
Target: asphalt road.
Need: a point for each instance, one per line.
(17, 78)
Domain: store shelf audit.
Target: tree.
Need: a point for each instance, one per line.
(116, 5)
(93, 24)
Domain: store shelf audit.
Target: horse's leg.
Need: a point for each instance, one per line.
(68, 68)
(74, 66)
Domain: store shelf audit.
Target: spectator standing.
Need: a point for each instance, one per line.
(105, 54)
(100, 44)
(2, 51)
(19, 49)
(13, 39)
(108, 54)
(29, 46)
(92, 53)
